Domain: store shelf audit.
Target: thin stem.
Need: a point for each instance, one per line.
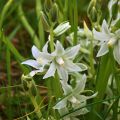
(40, 25)
(36, 106)
(91, 56)
(4, 11)
(2, 17)
(102, 81)
(51, 40)
(8, 59)
(75, 20)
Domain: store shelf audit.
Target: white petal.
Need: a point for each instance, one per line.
(51, 71)
(72, 52)
(66, 87)
(92, 96)
(73, 100)
(105, 27)
(80, 85)
(101, 36)
(45, 48)
(63, 111)
(63, 74)
(61, 104)
(32, 63)
(71, 67)
(32, 73)
(116, 52)
(103, 50)
(59, 48)
(35, 52)
(82, 66)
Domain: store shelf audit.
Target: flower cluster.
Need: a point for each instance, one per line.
(61, 61)
(73, 97)
(108, 39)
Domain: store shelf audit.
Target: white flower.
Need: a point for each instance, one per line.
(41, 59)
(108, 39)
(63, 61)
(73, 96)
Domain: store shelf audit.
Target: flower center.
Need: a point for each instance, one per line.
(40, 60)
(111, 42)
(60, 61)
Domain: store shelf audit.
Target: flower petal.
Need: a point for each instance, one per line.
(105, 27)
(66, 87)
(82, 66)
(71, 67)
(45, 48)
(72, 52)
(32, 73)
(35, 52)
(61, 104)
(32, 63)
(80, 85)
(100, 36)
(103, 50)
(116, 52)
(51, 71)
(59, 49)
(63, 74)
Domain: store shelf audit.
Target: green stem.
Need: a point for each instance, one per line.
(57, 86)
(75, 20)
(9, 81)
(51, 40)
(2, 17)
(91, 56)
(103, 74)
(36, 106)
(40, 25)
(4, 11)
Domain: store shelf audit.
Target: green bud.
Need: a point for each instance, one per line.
(93, 14)
(33, 89)
(44, 22)
(54, 12)
(48, 5)
(91, 5)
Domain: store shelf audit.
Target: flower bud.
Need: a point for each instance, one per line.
(91, 5)
(48, 5)
(54, 12)
(44, 22)
(93, 14)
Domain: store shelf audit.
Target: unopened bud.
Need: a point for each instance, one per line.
(48, 5)
(93, 14)
(91, 5)
(54, 12)
(45, 22)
